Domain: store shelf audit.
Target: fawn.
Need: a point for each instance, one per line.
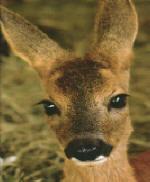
(86, 99)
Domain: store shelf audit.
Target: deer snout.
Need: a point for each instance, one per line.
(88, 149)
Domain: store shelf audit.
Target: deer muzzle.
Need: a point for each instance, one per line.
(86, 150)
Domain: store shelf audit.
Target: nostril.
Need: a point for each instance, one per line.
(86, 149)
(86, 153)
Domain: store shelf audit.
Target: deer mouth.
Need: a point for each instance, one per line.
(88, 150)
(99, 160)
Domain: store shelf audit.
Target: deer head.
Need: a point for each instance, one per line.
(86, 100)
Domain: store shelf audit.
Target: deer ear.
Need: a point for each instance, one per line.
(115, 31)
(27, 41)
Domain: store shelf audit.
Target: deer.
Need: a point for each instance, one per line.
(86, 96)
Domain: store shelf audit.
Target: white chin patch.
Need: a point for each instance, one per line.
(99, 160)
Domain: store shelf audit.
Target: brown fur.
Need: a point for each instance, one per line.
(141, 164)
(83, 87)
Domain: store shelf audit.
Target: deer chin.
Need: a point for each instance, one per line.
(98, 161)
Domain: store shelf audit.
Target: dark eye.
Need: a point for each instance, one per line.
(118, 101)
(49, 107)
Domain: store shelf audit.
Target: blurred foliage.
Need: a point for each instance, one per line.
(24, 133)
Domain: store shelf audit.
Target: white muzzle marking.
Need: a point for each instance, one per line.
(99, 160)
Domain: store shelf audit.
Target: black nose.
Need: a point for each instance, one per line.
(87, 149)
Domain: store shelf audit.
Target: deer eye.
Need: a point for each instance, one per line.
(49, 107)
(118, 101)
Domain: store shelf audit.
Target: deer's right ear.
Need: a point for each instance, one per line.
(27, 41)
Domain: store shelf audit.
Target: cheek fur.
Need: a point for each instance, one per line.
(118, 123)
(61, 127)
(113, 125)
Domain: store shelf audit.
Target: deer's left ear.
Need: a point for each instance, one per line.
(114, 32)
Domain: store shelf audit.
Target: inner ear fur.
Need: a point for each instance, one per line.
(28, 42)
(115, 31)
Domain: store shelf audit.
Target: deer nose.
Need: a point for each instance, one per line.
(87, 149)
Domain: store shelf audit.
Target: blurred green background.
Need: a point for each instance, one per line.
(25, 135)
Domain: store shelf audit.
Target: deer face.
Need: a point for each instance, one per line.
(87, 107)
(86, 99)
